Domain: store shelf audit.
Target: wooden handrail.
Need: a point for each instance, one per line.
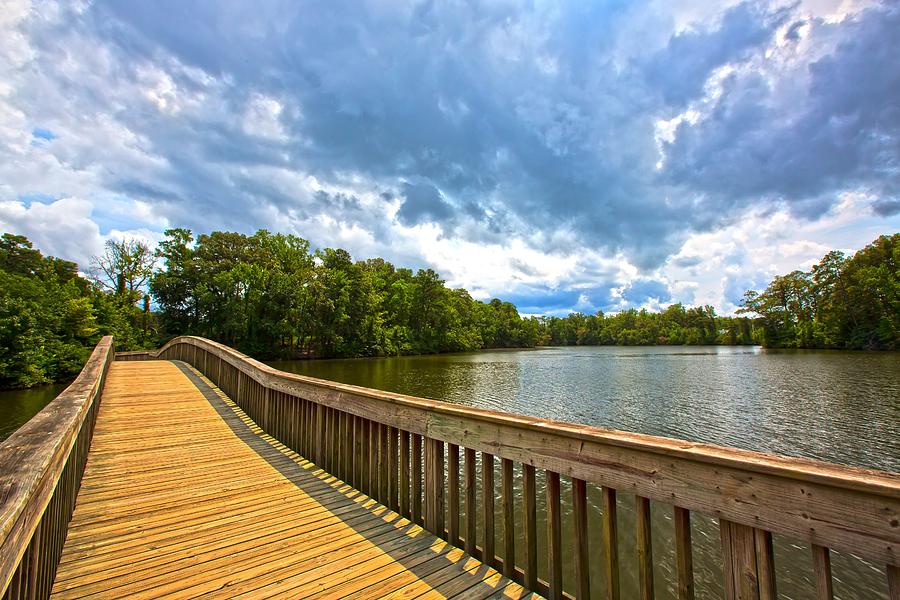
(40, 473)
(350, 430)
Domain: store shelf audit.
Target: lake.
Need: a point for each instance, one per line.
(18, 406)
(841, 407)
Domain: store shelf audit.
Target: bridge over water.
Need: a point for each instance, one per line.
(196, 471)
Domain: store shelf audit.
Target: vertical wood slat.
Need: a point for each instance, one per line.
(453, 492)
(509, 518)
(610, 542)
(434, 486)
(417, 479)
(471, 521)
(487, 508)
(893, 577)
(393, 481)
(383, 464)
(404, 474)
(740, 564)
(554, 537)
(582, 562)
(644, 547)
(372, 484)
(320, 434)
(822, 567)
(530, 508)
(765, 562)
(683, 553)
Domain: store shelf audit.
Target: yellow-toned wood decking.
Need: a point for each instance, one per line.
(183, 496)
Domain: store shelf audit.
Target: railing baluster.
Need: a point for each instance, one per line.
(530, 508)
(360, 450)
(509, 519)
(417, 479)
(582, 563)
(765, 558)
(893, 577)
(684, 553)
(644, 547)
(610, 542)
(384, 465)
(739, 556)
(434, 486)
(822, 566)
(393, 482)
(372, 483)
(487, 507)
(554, 536)
(404, 474)
(471, 515)
(453, 492)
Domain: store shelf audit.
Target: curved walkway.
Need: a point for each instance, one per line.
(183, 496)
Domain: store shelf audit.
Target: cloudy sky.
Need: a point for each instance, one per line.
(562, 155)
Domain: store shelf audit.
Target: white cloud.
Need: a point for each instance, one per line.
(262, 118)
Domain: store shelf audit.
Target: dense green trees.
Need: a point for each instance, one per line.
(270, 295)
(841, 302)
(676, 325)
(51, 318)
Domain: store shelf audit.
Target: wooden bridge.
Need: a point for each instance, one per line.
(196, 471)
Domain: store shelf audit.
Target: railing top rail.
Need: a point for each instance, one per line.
(854, 478)
(33, 457)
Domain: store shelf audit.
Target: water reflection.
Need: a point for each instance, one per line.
(836, 406)
(18, 406)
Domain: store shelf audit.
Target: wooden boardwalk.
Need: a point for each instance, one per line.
(183, 496)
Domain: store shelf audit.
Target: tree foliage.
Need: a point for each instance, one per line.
(270, 295)
(676, 325)
(842, 302)
(51, 317)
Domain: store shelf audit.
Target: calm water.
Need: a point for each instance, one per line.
(17, 406)
(834, 406)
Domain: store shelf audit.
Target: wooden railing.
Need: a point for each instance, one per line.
(40, 473)
(419, 457)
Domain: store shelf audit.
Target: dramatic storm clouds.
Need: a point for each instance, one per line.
(565, 156)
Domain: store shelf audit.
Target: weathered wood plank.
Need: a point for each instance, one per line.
(644, 547)
(554, 537)
(487, 508)
(822, 568)
(765, 559)
(582, 556)
(404, 474)
(509, 518)
(610, 542)
(530, 519)
(684, 554)
(453, 493)
(471, 520)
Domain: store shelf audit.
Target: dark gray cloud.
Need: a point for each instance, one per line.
(423, 203)
(681, 69)
(836, 128)
(886, 207)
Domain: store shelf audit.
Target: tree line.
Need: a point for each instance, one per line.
(271, 295)
(842, 302)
